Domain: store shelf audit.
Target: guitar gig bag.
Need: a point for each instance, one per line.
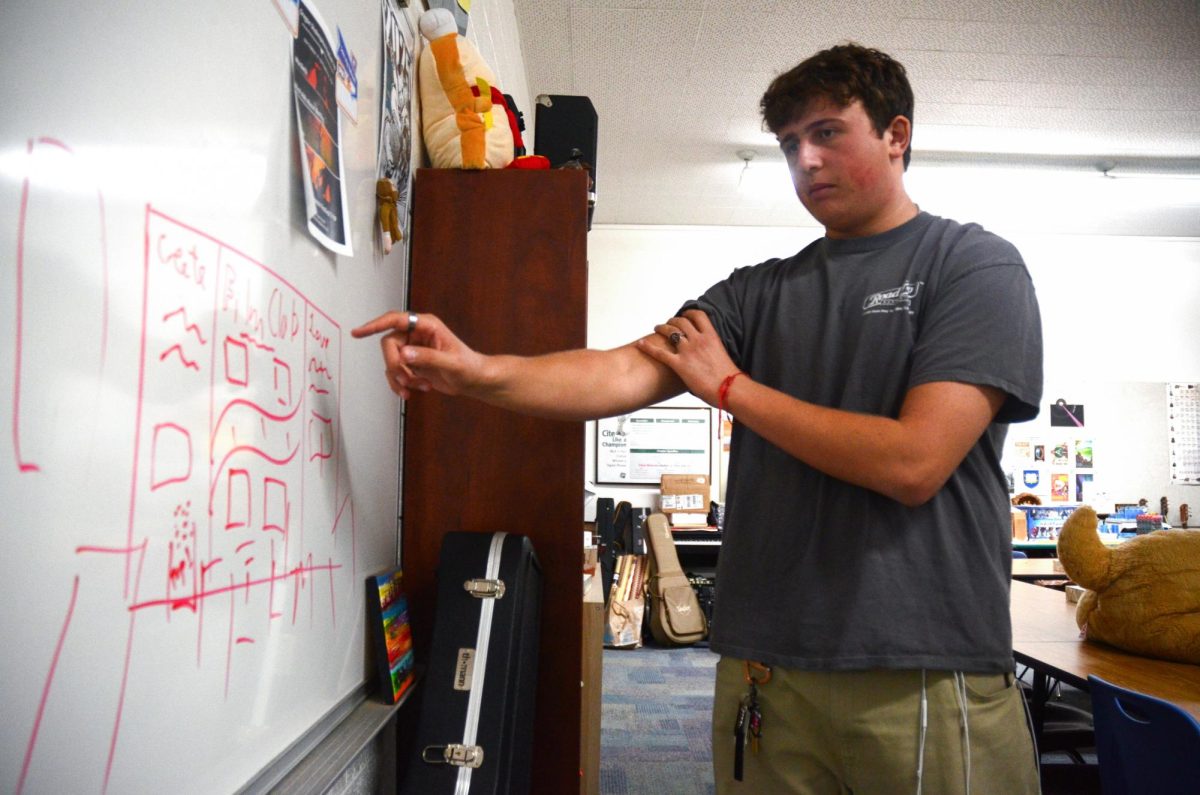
(675, 615)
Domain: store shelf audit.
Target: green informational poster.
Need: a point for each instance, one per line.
(643, 446)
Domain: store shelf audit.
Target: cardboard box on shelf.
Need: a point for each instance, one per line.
(684, 495)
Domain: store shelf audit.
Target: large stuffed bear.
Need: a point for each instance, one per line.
(464, 118)
(1143, 594)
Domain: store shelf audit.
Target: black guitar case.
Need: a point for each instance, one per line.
(606, 530)
(475, 731)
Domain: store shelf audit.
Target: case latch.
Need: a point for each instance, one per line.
(485, 589)
(454, 754)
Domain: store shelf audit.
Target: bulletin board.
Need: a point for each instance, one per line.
(201, 465)
(1183, 433)
(1133, 443)
(643, 446)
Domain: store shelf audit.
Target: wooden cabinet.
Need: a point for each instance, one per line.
(501, 257)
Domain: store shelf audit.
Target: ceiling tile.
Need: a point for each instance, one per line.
(676, 84)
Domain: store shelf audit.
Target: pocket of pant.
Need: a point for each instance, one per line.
(987, 687)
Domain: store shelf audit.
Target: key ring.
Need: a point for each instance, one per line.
(764, 672)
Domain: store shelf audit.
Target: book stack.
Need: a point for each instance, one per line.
(688, 521)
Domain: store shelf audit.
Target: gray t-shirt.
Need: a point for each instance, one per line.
(815, 573)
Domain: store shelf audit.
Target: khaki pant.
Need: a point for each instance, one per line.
(860, 732)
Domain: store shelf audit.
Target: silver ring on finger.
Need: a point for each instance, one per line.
(412, 322)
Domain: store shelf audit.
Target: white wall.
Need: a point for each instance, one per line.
(1124, 308)
(1120, 317)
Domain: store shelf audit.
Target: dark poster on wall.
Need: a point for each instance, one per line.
(1066, 415)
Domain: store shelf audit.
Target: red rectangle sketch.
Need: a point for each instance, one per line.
(240, 523)
(220, 324)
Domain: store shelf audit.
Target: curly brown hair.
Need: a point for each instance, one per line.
(841, 75)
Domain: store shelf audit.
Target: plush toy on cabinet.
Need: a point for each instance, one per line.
(464, 126)
(1143, 594)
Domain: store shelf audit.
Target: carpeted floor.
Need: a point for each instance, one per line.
(655, 721)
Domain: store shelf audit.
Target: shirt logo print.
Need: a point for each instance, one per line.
(897, 299)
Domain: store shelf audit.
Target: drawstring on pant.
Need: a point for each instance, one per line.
(924, 728)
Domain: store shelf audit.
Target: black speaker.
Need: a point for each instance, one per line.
(605, 507)
(565, 130)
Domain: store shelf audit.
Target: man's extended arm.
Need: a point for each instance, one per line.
(907, 458)
(570, 385)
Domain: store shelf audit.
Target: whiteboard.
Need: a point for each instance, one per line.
(200, 465)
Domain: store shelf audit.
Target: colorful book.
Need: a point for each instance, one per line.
(388, 606)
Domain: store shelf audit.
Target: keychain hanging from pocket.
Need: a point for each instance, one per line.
(748, 726)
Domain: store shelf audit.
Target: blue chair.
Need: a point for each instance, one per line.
(1143, 744)
(1018, 554)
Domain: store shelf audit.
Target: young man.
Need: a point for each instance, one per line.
(865, 565)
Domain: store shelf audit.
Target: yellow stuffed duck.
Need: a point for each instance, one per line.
(1143, 594)
(464, 118)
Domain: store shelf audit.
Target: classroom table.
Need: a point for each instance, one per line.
(1040, 548)
(1048, 547)
(1038, 569)
(1046, 638)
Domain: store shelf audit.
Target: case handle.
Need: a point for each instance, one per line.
(485, 589)
(454, 754)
